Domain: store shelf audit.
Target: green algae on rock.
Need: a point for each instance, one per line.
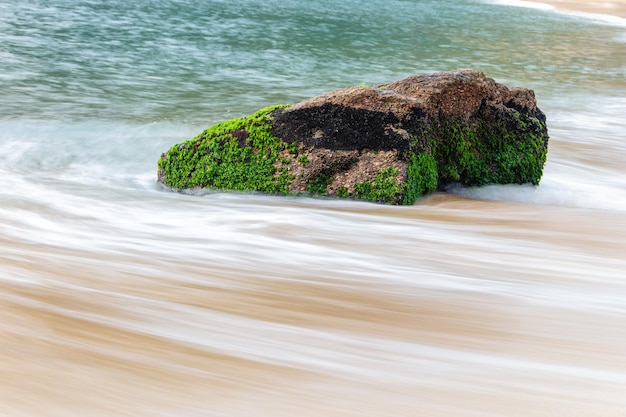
(240, 154)
(390, 143)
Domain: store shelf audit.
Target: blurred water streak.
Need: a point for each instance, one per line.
(119, 298)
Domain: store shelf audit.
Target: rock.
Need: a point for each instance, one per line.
(389, 143)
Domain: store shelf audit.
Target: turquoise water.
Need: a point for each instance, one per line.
(195, 61)
(120, 298)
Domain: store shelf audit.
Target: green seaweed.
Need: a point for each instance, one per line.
(383, 188)
(303, 160)
(507, 152)
(343, 192)
(240, 154)
(319, 184)
(422, 177)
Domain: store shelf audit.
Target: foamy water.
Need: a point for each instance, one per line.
(120, 298)
(602, 13)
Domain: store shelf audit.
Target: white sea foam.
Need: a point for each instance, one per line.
(89, 152)
(521, 3)
(601, 18)
(558, 192)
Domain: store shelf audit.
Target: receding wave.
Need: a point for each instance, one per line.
(122, 298)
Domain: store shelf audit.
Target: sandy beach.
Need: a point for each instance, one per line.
(122, 298)
(615, 8)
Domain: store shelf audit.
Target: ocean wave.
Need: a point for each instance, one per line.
(601, 18)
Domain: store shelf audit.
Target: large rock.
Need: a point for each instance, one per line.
(389, 143)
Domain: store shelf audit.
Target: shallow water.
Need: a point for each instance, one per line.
(120, 298)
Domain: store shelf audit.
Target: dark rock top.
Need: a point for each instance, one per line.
(387, 143)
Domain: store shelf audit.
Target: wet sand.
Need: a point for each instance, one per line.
(615, 8)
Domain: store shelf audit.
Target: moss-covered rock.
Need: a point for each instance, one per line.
(240, 154)
(390, 143)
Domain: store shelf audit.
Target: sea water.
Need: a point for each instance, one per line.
(120, 298)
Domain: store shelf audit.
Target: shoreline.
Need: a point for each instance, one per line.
(615, 8)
